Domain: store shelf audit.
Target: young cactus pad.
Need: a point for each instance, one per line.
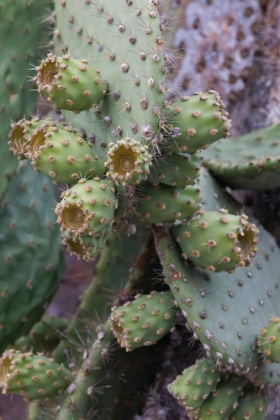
(33, 376)
(218, 241)
(269, 340)
(194, 385)
(69, 83)
(143, 321)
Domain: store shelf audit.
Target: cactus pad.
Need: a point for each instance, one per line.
(144, 321)
(33, 376)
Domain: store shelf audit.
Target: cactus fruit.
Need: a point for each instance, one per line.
(165, 204)
(224, 399)
(61, 153)
(87, 208)
(128, 161)
(248, 162)
(183, 169)
(69, 83)
(33, 376)
(268, 341)
(251, 405)
(144, 321)
(43, 336)
(84, 247)
(195, 383)
(218, 241)
(184, 128)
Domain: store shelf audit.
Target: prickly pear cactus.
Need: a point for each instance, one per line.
(130, 150)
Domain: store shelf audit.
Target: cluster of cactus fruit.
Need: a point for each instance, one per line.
(132, 162)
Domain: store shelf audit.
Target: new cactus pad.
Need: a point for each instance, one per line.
(218, 241)
(143, 321)
(268, 340)
(33, 376)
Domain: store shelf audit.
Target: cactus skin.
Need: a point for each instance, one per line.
(128, 44)
(34, 376)
(268, 340)
(184, 127)
(218, 241)
(43, 336)
(174, 169)
(195, 384)
(61, 153)
(248, 162)
(69, 83)
(87, 208)
(224, 399)
(143, 321)
(251, 405)
(128, 162)
(165, 204)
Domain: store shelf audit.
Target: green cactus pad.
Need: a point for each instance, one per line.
(194, 385)
(33, 376)
(126, 40)
(61, 153)
(175, 169)
(248, 162)
(251, 406)
(128, 161)
(165, 204)
(268, 340)
(143, 321)
(195, 122)
(22, 37)
(225, 311)
(69, 83)
(224, 399)
(84, 247)
(43, 336)
(87, 208)
(30, 252)
(218, 241)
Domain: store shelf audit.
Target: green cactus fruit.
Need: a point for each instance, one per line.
(251, 406)
(87, 208)
(143, 321)
(127, 40)
(195, 122)
(85, 247)
(224, 399)
(69, 83)
(175, 169)
(128, 161)
(218, 241)
(33, 376)
(165, 204)
(247, 162)
(194, 385)
(43, 336)
(61, 153)
(268, 340)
